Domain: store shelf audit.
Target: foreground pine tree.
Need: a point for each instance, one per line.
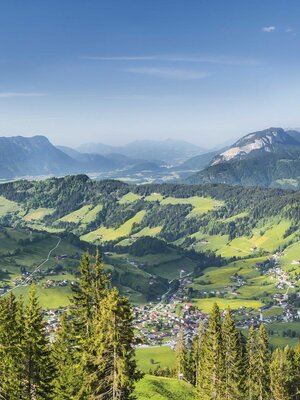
(76, 328)
(110, 363)
(263, 364)
(195, 356)
(87, 296)
(66, 356)
(181, 363)
(296, 364)
(93, 351)
(211, 370)
(11, 348)
(233, 359)
(251, 367)
(282, 374)
(38, 367)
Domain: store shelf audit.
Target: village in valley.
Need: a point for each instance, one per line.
(159, 323)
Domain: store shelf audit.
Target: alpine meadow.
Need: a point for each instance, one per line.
(149, 200)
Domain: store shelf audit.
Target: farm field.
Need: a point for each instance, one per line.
(154, 197)
(216, 278)
(278, 333)
(163, 357)
(205, 305)
(129, 198)
(212, 242)
(107, 234)
(268, 239)
(48, 298)
(84, 215)
(7, 206)
(149, 231)
(235, 217)
(38, 214)
(290, 258)
(167, 265)
(200, 205)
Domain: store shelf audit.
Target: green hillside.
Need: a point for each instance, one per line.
(159, 388)
(148, 234)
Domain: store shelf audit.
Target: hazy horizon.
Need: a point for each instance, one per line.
(115, 72)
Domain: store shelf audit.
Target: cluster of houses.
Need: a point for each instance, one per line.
(282, 278)
(55, 283)
(52, 317)
(158, 326)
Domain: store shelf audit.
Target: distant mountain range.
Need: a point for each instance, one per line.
(36, 156)
(269, 158)
(169, 151)
(198, 162)
(20, 156)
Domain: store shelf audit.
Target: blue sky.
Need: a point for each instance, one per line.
(113, 71)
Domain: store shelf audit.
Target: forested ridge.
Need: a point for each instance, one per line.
(68, 194)
(92, 353)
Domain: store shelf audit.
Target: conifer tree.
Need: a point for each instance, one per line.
(195, 356)
(296, 366)
(38, 368)
(282, 374)
(233, 359)
(181, 363)
(211, 373)
(110, 364)
(88, 294)
(11, 348)
(262, 364)
(72, 339)
(66, 358)
(251, 371)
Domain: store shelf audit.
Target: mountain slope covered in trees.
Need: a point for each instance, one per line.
(267, 158)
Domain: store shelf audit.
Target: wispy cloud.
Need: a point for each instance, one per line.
(121, 58)
(291, 31)
(185, 58)
(169, 73)
(21, 94)
(269, 29)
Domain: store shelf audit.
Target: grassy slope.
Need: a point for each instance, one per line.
(7, 206)
(107, 234)
(38, 214)
(129, 198)
(159, 388)
(148, 231)
(200, 205)
(162, 356)
(205, 305)
(268, 239)
(167, 265)
(48, 298)
(84, 215)
(277, 339)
